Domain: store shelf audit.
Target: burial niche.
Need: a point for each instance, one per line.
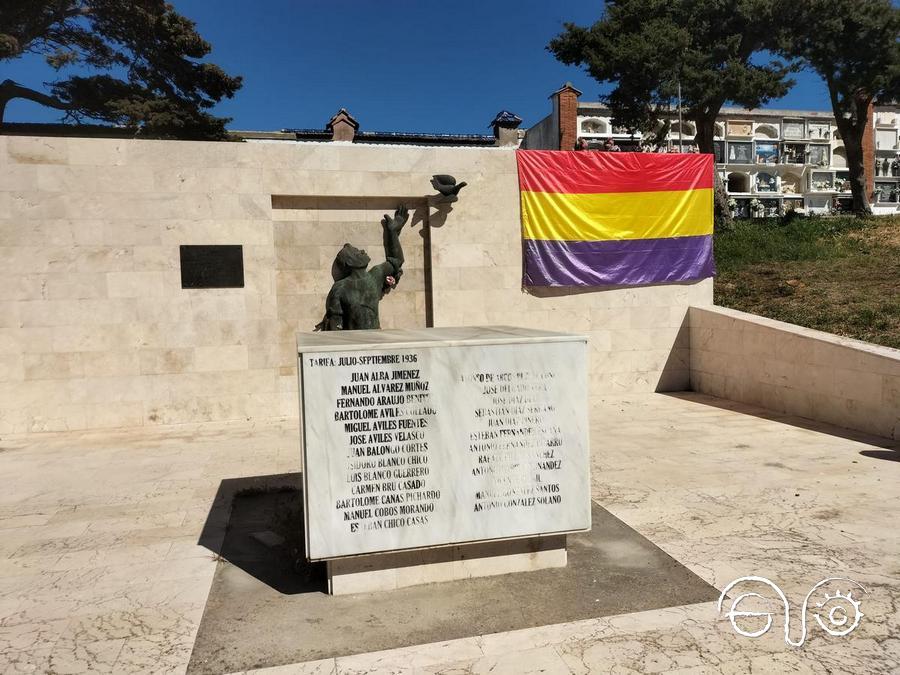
(738, 182)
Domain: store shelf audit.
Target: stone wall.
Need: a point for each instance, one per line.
(544, 135)
(96, 331)
(308, 233)
(794, 370)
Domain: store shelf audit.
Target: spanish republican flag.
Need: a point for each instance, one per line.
(615, 218)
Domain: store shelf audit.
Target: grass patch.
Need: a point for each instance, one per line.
(840, 275)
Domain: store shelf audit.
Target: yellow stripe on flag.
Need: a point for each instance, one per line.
(617, 215)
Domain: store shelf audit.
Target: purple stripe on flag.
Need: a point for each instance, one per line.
(620, 262)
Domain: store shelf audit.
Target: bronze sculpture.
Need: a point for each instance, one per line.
(352, 302)
(447, 187)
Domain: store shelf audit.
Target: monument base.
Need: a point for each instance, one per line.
(399, 569)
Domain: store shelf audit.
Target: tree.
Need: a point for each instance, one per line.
(150, 74)
(647, 47)
(855, 49)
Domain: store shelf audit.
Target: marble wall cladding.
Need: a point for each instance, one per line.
(309, 231)
(96, 331)
(794, 370)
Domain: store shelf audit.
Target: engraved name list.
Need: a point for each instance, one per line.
(411, 448)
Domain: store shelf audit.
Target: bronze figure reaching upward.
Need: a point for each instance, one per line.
(352, 303)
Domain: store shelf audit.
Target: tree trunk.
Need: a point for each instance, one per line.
(706, 131)
(853, 135)
(851, 114)
(858, 183)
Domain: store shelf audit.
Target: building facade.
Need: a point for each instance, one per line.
(771, 161)
(886, 165)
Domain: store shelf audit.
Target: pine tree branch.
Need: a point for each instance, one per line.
(66, 10)
(10, 90)
(77, 11)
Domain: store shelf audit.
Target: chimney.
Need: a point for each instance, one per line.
(342, 126)
(505, 126)
(565, 105)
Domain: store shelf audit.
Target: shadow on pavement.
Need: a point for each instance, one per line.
(890, 455)
(256, 524)
(266, 609)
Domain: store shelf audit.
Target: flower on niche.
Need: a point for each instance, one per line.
(390, 281)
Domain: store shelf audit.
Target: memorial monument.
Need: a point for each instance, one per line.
(442, 440)
(456, 452)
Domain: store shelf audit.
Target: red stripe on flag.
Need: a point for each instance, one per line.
(590, 172)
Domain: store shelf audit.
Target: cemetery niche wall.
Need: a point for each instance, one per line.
(442, 436)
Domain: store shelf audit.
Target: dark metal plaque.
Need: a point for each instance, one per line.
(212, 266)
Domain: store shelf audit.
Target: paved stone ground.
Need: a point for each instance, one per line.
(100, 568)
(272, 617)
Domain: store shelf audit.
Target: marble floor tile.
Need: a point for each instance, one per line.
(20, 632)
(158, 653)
(24, 520)
(540, 661)
(26, 661)
(112, 556)
(542, 636)
(407, 659)
(79, 656)
(100, 570)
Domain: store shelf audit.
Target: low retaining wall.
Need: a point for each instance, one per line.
(794, 370)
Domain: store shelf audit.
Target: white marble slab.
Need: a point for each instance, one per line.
(330, 341)
(432, 437)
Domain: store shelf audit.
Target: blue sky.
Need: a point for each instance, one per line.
(396, 65)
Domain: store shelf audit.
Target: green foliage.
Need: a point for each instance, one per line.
(150, 77)
(854, 47)
(761, 240)
(646, 47)
(840, 275)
